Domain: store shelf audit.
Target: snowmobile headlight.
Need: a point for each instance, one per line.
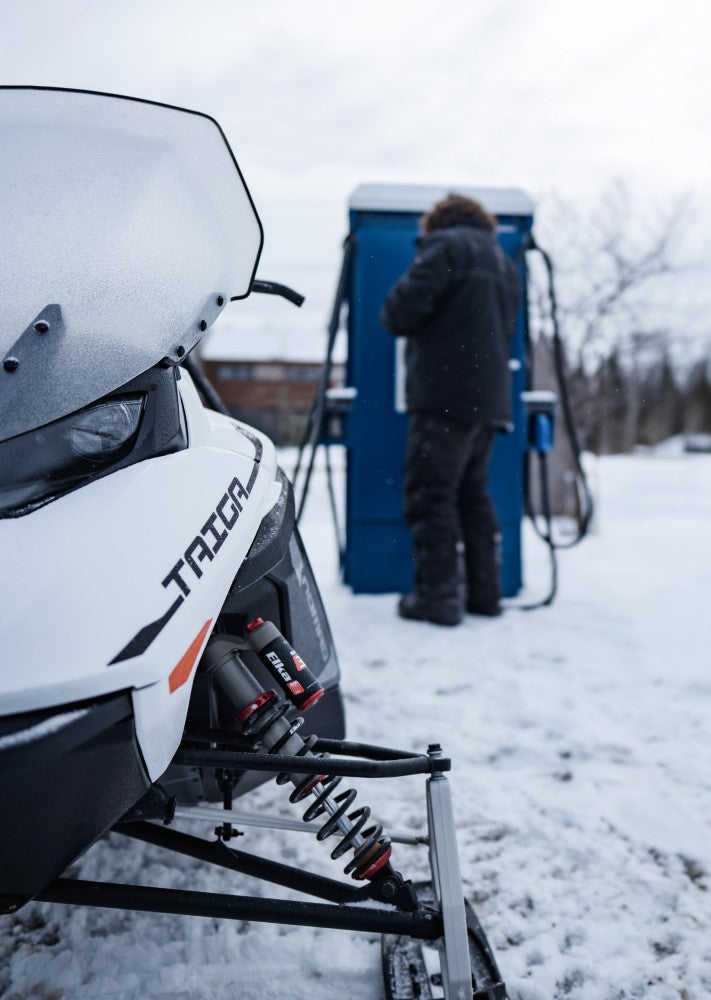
(99, 432)
(43, 464)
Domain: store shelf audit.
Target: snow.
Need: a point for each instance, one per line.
(41, 729)
(581, 781)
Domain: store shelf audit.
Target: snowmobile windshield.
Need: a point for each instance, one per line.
(126, 227)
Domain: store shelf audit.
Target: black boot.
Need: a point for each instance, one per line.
(488, 610)
(483, 573)
(445, 611)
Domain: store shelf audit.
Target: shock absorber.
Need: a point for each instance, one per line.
(284, 663)
(262, 716)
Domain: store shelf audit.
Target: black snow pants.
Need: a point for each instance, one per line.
(447, 503)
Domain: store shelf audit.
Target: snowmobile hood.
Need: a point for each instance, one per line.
(126, 229)
(98, 565)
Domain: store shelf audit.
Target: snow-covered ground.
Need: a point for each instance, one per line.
(581, 742)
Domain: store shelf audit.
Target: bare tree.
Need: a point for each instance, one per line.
(610, 261)
(697, 402)
(607, 257)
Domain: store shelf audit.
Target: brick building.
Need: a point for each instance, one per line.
(274, 396)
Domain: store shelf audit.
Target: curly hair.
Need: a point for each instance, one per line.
(456, 210)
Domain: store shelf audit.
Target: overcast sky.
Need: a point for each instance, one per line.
(547, 94)
(316, 97)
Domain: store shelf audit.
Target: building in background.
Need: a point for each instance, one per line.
(273, 395)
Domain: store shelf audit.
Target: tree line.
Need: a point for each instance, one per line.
(618, 406)
(637, 343)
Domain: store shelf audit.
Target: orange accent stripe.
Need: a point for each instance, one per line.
(180, 674)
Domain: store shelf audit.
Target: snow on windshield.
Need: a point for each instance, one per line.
(130, 224)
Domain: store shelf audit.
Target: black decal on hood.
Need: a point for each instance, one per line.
(142, 640)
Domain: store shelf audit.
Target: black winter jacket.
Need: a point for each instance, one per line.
(457, 307)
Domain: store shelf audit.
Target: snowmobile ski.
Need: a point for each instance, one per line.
(411, 968)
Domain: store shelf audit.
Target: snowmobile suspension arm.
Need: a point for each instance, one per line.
(217, 853)
(269, 821)
(373, 762)
(423, 924)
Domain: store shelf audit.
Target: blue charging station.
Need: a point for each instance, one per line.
(384, 225)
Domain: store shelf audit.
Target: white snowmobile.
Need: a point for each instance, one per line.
(161, 629)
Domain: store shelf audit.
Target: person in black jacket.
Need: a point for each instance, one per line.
(456, 305)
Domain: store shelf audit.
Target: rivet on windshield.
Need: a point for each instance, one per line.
(180, 352)
(220, 300)
(11, 364)
(41, 326)
(203, 324)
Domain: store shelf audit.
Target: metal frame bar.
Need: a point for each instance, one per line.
(373, 762)
(447, 881)
(267, 821)
(217, 853)
(422, 924)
